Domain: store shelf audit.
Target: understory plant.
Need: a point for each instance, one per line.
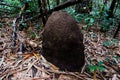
(93, 68)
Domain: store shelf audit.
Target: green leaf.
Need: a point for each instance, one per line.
(91, 68)
(114, 40)
(85, 27)
(107, 43)
(100, 63)
(101, 68)
(91, 20)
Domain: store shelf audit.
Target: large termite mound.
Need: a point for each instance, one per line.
(63, 42)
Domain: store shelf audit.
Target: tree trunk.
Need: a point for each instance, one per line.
(116, 32)
(41, 11)
(57, 2)
(110, 13)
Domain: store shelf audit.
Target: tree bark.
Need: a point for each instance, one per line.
(110, 12)
(41, 11)
(57, 2)
(118, 28)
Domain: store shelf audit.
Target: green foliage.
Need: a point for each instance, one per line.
(37, 27)
(76, 16)
(92, 68)
(109, 43)
(13, 3)
(27, 0)
(32, 34)
(85, 26)
(99, 15)
(89, 21)
(10, 7)
(16, 5)
(79, 17)
(10, 23)
(33, 5)
(52, 3)
(116, 57)
(22, 26)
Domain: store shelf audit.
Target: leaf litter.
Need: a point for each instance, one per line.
(28, 64)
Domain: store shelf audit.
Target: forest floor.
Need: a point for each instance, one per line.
(25, 62)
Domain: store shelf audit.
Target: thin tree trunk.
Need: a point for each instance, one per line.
(116, 32)
(41, 11)
(57, 2)
(110, 13)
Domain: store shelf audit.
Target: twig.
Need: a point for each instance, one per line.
(40, 69)
(117, 70)
(11, 72)
(65, 73)
(30, 66)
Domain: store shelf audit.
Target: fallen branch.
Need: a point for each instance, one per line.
(65, 5)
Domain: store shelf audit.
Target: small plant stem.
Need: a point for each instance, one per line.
(95, 75)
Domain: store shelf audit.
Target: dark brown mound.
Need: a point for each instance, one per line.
(63, 42)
